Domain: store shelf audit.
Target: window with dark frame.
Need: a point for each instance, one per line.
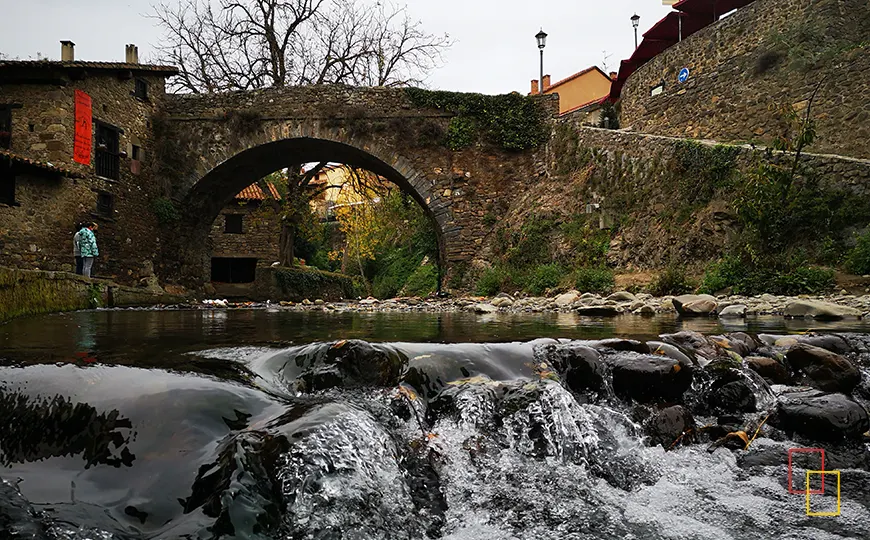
(107, 159)
(233, 224)
(137, 153)
(5, 127)
(140, 89)
(105, 204)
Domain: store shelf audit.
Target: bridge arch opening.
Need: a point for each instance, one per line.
(216, 189)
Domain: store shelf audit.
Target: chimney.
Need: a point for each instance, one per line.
(534, 87)
(132, 54)
(67, 51)
(546, 82)
(613, 75)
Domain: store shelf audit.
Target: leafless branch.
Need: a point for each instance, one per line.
(245, 44)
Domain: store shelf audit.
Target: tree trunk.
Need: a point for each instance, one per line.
(286, 249)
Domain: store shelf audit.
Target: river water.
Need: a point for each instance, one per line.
(212, 424)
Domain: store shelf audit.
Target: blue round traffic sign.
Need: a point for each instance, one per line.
(684, 75)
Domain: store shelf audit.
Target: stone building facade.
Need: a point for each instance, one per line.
(245, 236)
(49, 192)
(746, 67)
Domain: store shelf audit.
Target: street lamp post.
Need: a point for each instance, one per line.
(635, 22)
(542, 42)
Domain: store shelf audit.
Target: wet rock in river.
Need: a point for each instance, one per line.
(830, 342)
(598, 311)
(730, 392)
(826, 370)
(772, 370)
(618, 344)
(649, 378)
(578, 366)
(349, 364)
(668, 425)
(696, 344)
(821, 416)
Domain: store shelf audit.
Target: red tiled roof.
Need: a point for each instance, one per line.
(694, 14)
(41, 165)
(576, 75)
(79, 64)
(255, 193)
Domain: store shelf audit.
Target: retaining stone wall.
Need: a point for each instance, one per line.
(740, 77)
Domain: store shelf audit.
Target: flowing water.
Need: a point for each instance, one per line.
(213, 424)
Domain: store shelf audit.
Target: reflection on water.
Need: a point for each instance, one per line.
(125, 335)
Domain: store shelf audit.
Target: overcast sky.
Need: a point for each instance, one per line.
(495, 50)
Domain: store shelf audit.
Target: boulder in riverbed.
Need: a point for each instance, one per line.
(695, 305)
(579, 366)
(648, 378)
(770, 369)
(622, 296)
(668, 424)
(565, 300)
(826, 370)
(820, 416)
(820, 310)
(736, 311)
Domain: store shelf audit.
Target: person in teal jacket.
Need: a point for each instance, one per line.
(88, 245)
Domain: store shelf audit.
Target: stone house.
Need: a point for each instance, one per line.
(245, 236)
(74, 144)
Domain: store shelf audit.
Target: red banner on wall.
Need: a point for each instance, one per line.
(84, 129)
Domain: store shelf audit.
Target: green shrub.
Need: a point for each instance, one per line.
(512, 121)
(858, 259)
(745, 278)
(298, 283)
(597, 280)
(589, 244)
(423, 282)
(165, 211)
(460, 133)
(671, 281)
(545, 276)
(491, 281)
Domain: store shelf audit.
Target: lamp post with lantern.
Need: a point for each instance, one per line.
(635, 22)
(542, 42)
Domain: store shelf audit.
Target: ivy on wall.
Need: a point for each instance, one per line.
(511, 121)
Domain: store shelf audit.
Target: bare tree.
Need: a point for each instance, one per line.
(245, 44)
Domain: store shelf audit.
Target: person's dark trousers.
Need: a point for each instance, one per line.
(79, 265)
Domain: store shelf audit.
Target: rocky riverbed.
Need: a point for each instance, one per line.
(829, 307)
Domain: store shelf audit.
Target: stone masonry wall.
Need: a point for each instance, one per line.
(630, 176)
(38, 232)
(748, 66)
(261, 231)
(228, 136)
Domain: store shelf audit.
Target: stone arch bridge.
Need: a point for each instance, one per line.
(214, 145)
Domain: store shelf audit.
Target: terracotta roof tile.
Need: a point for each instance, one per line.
(255, 193)
(42, 165)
